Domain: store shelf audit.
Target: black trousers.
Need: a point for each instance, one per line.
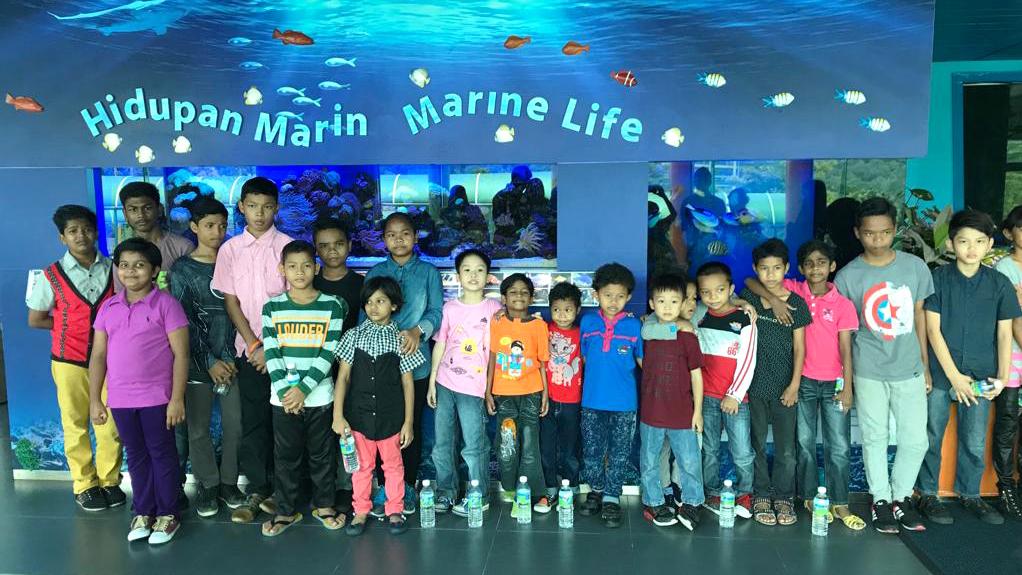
(295, 437)
(256, 454)
(1006, 420)
(766, 412)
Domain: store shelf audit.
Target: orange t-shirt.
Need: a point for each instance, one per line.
(520, 347)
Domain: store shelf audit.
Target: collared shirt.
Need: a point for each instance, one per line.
(609, 350)
(376, 340)
(832, 313)
(247, 267)
(90, 281)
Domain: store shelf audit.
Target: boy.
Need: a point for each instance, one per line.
(247, 274)
(969, 314)
(559, 430)
(72, 289)
(301, 332)
(890, 363)
(727, 339)
(611, 350)
(211, 339)
(457, 381)
(1006, 406)
(516, 385)
(418, 320)
(140, 202)
(672, 401)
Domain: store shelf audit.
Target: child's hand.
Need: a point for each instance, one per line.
(697, 422)
(410, 339)
(544, 405)
(294, 399)
(97, 410)
(729, 405)
(258, 360)
(406, 434)
(962, 386)
(685, 325)
(431, 395)
(790, 396)
(748, 309)
(782, 311)
(845, 397)
(341, 426)
(491, 406)
(175, 412)
(501, 313)
(221, 372)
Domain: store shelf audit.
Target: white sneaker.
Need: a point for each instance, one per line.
(164, 529)
(141, 527)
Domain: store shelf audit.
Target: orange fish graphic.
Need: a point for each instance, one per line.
(24, 103)
(573, 48)
(513, 42)
(292, 37)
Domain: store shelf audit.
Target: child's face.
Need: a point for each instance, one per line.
(472, 274)
(142, 214)
(1014, 236)
(135, 272)
(970, 246)
(876, 233)
(210, 230)
(518, 297)
(688, 307)
(612, 298)
(299, 269)
(667, 304)
(770, 271)
(399, 238)
(259, 211)
(715, 290)
(563, 312)
(333, 247)
(817, 268)
(379, 307)
(80, 238)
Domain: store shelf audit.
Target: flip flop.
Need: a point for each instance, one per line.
(286, 523)
(324, 517)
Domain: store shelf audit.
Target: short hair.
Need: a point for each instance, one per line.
(613, 273)
(146, 248)
(203, 206)
(298, 247)
(517, 277)
(385, 284)
(64, 214)
(713, 268)
(398, 216)
(327, 223)
(772, 248)
(1012, 220)
(260, 186)
(472, 252)
(139, 190)
(565, 290)
(974, 219)
(806, 249)
(668, 281)
(875, 206)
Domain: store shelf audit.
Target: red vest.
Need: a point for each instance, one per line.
(73, 316)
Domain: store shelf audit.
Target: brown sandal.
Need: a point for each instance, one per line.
(785, 510)
(762, 512)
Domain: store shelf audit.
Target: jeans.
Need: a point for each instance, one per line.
(518, 440)
(739, 443)
(607, 438)
(765, 413)
(685, 446)
(559, 434)
(470, 412)
(816, 401)
(1006, 413)
(876, 401)
(972, 436)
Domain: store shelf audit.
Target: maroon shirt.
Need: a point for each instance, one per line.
(666, 392)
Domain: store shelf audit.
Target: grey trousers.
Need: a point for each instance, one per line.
(877, 403)
(199, 399)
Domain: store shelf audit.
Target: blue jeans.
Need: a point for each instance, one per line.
(559, 434)
(972, 436)
(518, 441)
(739, 441)
(471, 414)
(607, 438)
(816, 402)
(685, 446)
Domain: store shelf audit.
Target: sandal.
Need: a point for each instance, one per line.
(785, 510)
(851, 521)
(830, 514)
(762, 512)
(397, 524)
(356, 527)
(339, 519)
(270, 527)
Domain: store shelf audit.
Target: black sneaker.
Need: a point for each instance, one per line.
(934, 509)
(592, 504)
(1009, 504)
(883, 517)
(671, 502)
(661, 515)
(114, 496)
(983, 511)
(206, 504)
(231, 496)
(92, 499)
(611, 515)
(688, 516)
(906, 514)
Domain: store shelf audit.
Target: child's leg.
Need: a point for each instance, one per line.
(665, 464)
(938, 411)
(1006, 414)
(621, 437)
(759, 412)
(164, 466)
(783, 420)
(595, 436)
(972, 436)
(739, 441)
(811, 398)
(393, 473)
(685, 445)
(72, 384)
(256, 455)
(652, 440)
(322, 449)
(568, 436)
(443, 447)
(130, 429)
(412, 455)
(230, 438)
(873, 407)
(362, 480)
(476, 451)
(548, 446)
(908, 405)
(837, 446)
(528, 431)
(508, 440)
(712, 427)
(288, 450)
(198, 410)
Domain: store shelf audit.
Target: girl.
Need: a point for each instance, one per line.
(379, 412)
(1006, 407)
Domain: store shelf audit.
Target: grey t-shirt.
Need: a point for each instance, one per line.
(1008, 267)
(886, 346)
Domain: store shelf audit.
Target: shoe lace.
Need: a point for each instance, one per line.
(140, 521)
(1011, 501)
(162, 522)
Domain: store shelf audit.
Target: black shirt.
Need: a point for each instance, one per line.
(348, 288)
(775, 354)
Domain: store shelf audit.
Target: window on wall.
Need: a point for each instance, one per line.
(992, 147)
(861, 179)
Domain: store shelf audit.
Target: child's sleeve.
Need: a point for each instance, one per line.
(638, 340)
(223, 271)
(932, 301)
(411, 361)
(801, 317)
(1007, 300)
(346, 348)
(275, 366)
(543, 341)
(431, 317)
(653, 328)
(745, 364)
(320, 367)
(847, 319)
(39, 295)
(441, 334)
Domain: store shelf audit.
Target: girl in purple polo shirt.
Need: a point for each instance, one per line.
(141, 351)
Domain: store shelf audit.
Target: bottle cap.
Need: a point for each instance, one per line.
(523, 479)
(425, 483)
(727, 483)
(821, 490)
(291, 365)
(565, 483)
(475, 483)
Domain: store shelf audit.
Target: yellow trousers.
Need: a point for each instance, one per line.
(73, 397)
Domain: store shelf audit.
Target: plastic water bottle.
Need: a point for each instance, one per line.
(427, 505)
(839, 386)
(349, 454)
(727, 505)
(821, 506)
(523, 501)
(565, 506)
(474, 503)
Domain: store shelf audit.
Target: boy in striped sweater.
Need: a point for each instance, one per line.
(301, 331)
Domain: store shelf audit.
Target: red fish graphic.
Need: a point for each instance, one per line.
(513, 42)
(24, 103)
(625, 78)
(292, 37)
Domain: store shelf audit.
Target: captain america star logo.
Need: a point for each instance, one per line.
(888, 311)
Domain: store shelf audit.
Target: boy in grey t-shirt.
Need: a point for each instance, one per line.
(889, 356)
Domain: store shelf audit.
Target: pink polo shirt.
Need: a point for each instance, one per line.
(832, 313)
(246, 267)
(139, 361)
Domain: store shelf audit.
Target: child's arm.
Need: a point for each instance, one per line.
(97, 377)
(782, 310)
(1016, 330)
(653, 328)
(40, 319)
(319, 368)
(179, 345)
(844, 341)
(408, 387)
(798, 346)
(961, 384)
(697, 397)
(255, 353)
(921, 321)
(745, 366)
(275, 365)
(491, 406)
(544, 405)
(345, 356)
(1004, 337)
(438, 355)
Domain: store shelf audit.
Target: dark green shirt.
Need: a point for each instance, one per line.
(775, 354)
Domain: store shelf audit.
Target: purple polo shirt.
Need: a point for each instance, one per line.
(139, 361)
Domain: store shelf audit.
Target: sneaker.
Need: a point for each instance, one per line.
(411, 501)
(883, 517)
(443, 504)
(983, 511)
(934, 509)
(1009, 502)
(379, 511)
(92, 499)
(611, 515)
(543, 505)
(743, 506)
(164, 529)
(592, 504)
(688, 516)
(114, 496)
(232, 496)
(712, 504)
(247, 511)
(906, 514)
(661, 515)
(670, 501)
(141, 527)
(206, 504)
(461, 508)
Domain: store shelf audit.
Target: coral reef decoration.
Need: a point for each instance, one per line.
(530, 240)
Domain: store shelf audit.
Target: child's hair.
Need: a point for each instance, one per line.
(568, 291)
(203, 206)
(145, 248)
(388, 286)
(668, 281)
(713, 268)
(471, 252)
(875, 206)
(327, 223)
(260, 186)
(298, 247)
(613, 273)
(139, 190)
(969, 218)
(64, 214)
(772, 248)
(517, 277)
(398, 217)
(806, 249)
(1012, 220)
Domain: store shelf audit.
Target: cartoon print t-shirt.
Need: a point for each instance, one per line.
(519, 347)
(465, 332)
(564, 370)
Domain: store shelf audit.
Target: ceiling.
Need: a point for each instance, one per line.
(978, 30)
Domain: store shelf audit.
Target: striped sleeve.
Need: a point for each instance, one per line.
(745, 363)
(319, 367)
(275, 366)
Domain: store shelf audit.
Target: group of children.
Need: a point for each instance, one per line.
(300, 352)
